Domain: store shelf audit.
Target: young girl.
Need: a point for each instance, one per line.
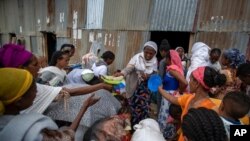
(54, 75)
(173, 81)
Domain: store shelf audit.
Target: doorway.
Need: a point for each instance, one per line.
(175, 39)
(50, 44)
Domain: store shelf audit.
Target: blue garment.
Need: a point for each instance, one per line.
(169, 82)
(170, 85)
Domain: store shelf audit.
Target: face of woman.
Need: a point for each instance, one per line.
(27, 99)
(149, 53)
(33, 67)
(63, 62)
(193, 84)
(180, 51)
(224, 61)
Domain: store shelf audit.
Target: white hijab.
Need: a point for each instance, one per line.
(199, 58)
(143, 65)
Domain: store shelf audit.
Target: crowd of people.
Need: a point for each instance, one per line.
(199, 98)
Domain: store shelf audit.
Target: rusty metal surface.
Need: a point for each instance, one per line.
(224, 40)
(224, 15)
(124, 44)
(126, 14)
(173, 15)
(94, 14)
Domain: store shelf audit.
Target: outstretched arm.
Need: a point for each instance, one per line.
(89, 102)
(88, 89)
(169, 97)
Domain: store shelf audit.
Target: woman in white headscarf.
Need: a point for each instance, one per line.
(137, 72)
(199, 58)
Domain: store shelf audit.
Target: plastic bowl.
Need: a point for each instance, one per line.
(154, 82)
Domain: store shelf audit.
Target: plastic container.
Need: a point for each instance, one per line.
(154, 82)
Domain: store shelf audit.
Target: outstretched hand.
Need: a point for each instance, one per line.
(91, 101)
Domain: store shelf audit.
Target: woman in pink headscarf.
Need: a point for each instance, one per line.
(201, 80)
(173, 81)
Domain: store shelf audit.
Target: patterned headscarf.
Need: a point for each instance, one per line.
(14, 56)
(14, 84)
(235, 57)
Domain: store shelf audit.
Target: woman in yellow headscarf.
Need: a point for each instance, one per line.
(17, 90)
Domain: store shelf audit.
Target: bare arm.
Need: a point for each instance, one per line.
(181, 79)
(168, 96)
(88, 89)
(89, 102)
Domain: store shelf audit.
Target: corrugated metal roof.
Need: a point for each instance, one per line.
(173, 15)
(94, 14)
(224, 40)
(224, 15)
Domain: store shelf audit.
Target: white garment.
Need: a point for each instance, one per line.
(215, 65)
(147, 130)
(100, 70)
(44, 97)
(199, 58)
(60, 73)
(142, 65)
(227, 126)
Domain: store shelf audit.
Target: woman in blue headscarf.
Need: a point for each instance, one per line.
(231, 59)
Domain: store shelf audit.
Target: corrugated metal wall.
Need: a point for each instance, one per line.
(173, 15)
(94, 14)
(224, 40)
(124, 25)
(224, 15)
(123, 43)
(126, 14)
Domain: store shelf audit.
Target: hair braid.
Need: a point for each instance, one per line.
(203, 125)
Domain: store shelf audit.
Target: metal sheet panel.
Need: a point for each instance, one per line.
(126, 14)
(224, 40)
(61, 17)
(41, 15)
(12, 20)
(29, 19)
(124, 44)
(94, 14)
(224, 15)
(2, 16)
(173, 15)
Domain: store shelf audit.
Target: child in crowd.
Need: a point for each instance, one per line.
(234, 106)
(175, 113)
(214, 57)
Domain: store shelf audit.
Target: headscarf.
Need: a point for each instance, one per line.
(198, 74)
(14, 84)
(12, 55)
(175, 62)
(200, 57)
(141, 64)
(236, 58)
